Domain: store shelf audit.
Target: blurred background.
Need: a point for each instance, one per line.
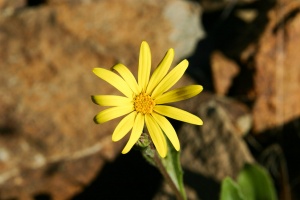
(244, 52)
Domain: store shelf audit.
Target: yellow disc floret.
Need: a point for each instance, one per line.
(144, 103)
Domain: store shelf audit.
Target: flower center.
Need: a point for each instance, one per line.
(144, 103)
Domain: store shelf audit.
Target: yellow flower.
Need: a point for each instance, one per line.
(144, 99)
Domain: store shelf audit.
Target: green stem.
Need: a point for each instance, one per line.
(165, 174)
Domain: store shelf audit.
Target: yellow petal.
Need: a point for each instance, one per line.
(144, 65)
(124, 127)
(157, 136)
(111, 100)
(179, 94)
(126, 74)
(114, 80)
(160, 72)
(112, 113)
(135, 133)
(178, 114)
(168, 129)
(170, 79)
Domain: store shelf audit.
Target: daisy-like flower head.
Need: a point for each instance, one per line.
(144, 99)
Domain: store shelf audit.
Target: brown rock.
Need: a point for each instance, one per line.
(134, 17)
(11, 5)
(223, 70)
(277, 77)
(46, 112)
(48, 141)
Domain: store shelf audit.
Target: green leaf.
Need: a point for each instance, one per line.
(230, 190)
(172, 164)
(256, 183)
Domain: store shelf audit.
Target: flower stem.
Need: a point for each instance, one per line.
(165, 174)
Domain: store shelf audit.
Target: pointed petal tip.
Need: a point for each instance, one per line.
(114, 139)
(96, 120)
(185, 61)
(144, 44)
(175, 144)
(95, 70)
(163, 155)
(126, 149)
(196, 121)
(200, 87)
(176, 147)
(125, 152)
(171, 50)
(200, 122)
(93, 99)
(162, 152)
(171, 53)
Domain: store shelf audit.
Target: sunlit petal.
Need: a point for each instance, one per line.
(112, 113)
(135, 133)
(157, 136)
(124, 127)
(170, 79)
(179, 94)
(114, 80)
(160, 72)
(168, 129)
(126, 74)
(111, 100)
(178, 114)
(144, 65)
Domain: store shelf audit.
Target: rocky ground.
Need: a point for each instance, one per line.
(245, 53)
